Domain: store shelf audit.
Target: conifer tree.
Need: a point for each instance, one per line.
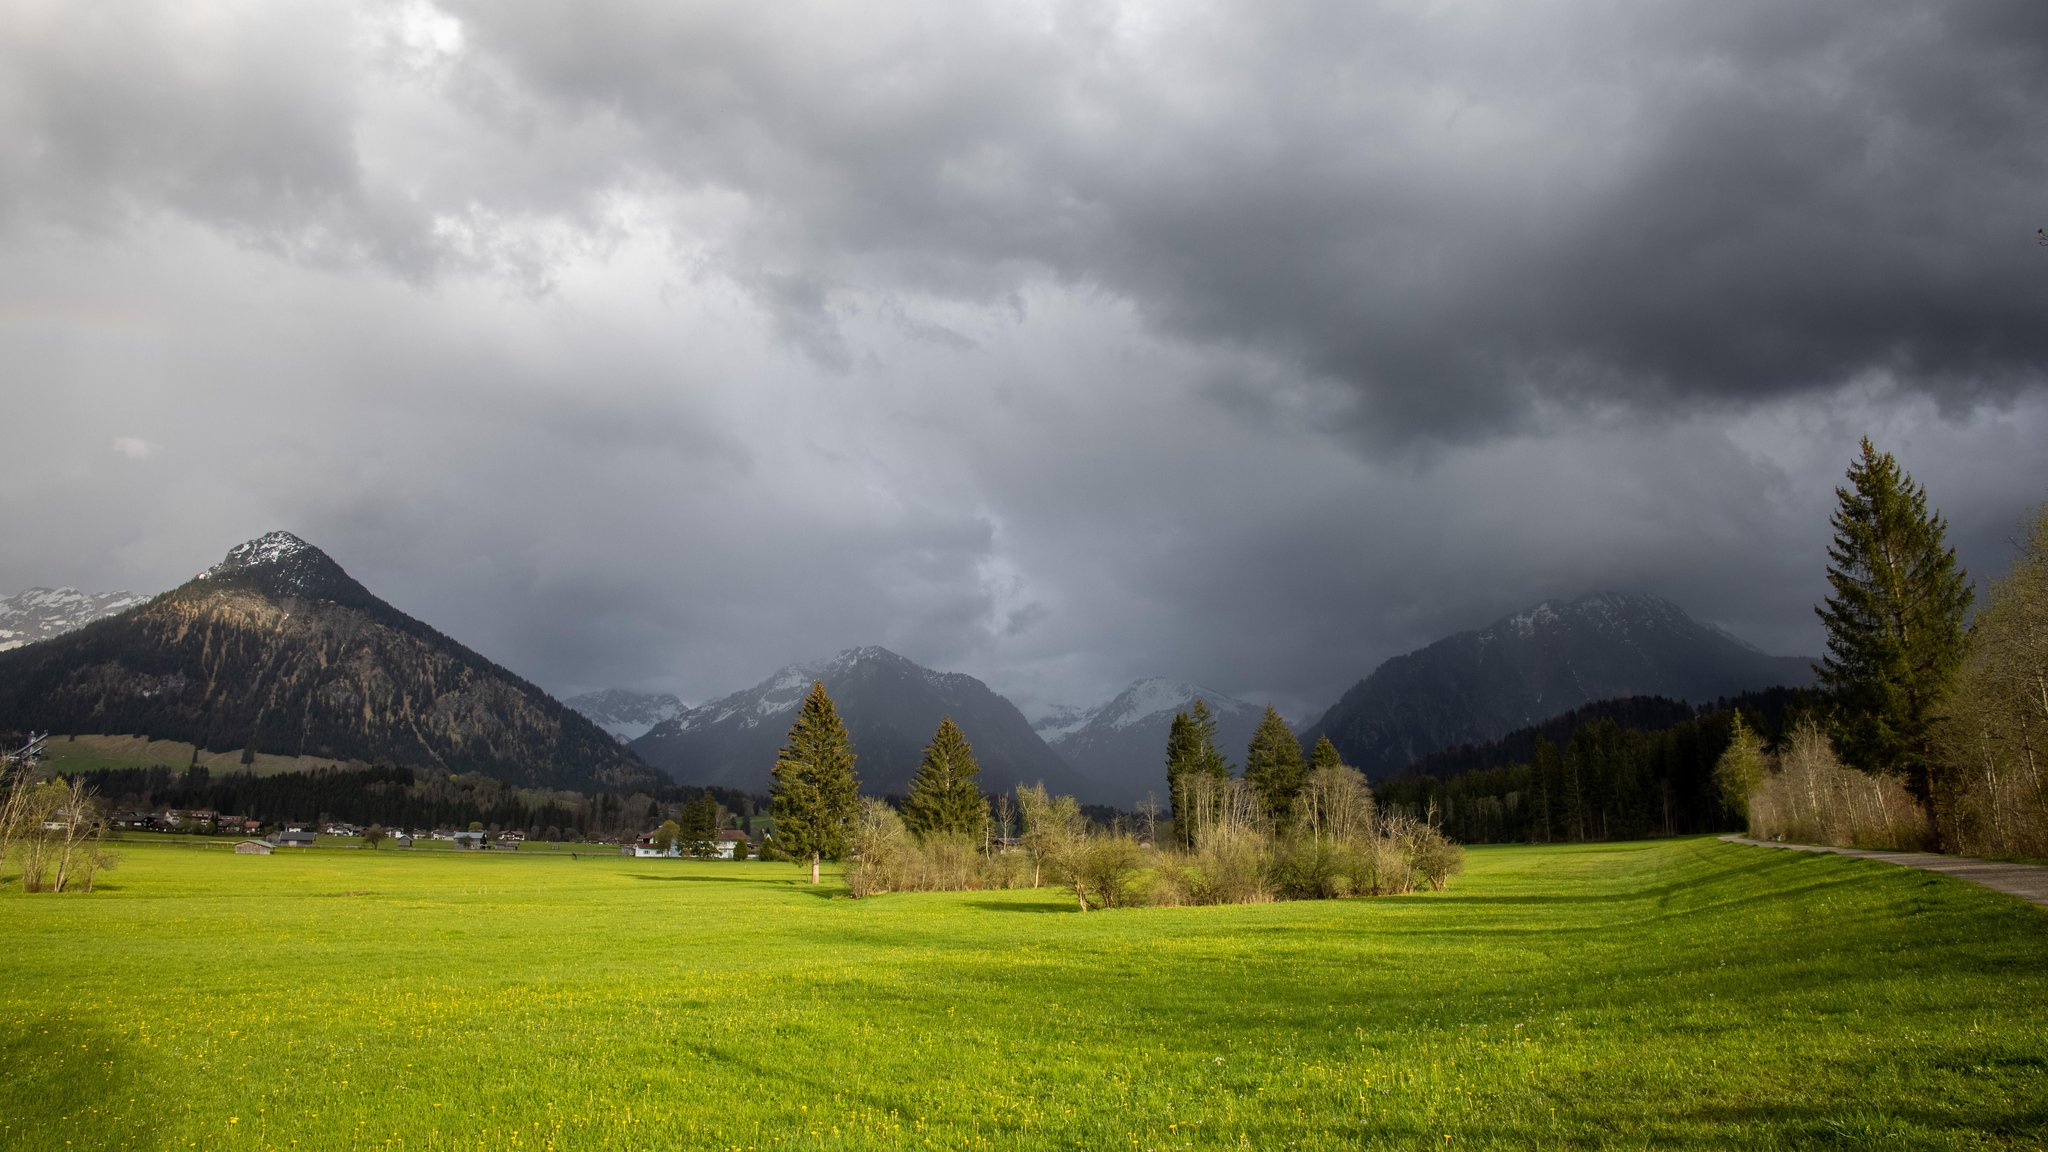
(700, 825)
(1548, 770)
(1894, 623)
(1325, 755)
(1191, 751)
(1272, 766)
(815, 793)
(945, 798)
(1209, 759)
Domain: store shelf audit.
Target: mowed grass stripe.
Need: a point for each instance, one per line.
(1666, 994)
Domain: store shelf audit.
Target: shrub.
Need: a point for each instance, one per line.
(1311, 868)
(1106, 871)
(1433, 856)
(1809, 797)
(880, 851)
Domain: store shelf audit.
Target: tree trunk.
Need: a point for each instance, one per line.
(1081, 895)
(814, 867)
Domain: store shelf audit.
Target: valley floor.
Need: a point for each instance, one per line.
(1669, 994)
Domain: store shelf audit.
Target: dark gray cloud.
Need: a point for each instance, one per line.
(658, 345)
(1451, 218)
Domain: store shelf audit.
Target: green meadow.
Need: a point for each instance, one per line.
(1671, 994)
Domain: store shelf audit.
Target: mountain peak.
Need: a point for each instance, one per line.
(269, 548)
(867, 654)
(1538, 663)
(281, 564)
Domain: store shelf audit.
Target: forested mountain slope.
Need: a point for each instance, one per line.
(276, 649)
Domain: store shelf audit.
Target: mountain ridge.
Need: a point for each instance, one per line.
(626, 714)
(1526, 667)
(1120, 744)
(891, 706)
(40, 613)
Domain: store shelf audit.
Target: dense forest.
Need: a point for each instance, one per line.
(1612, 770)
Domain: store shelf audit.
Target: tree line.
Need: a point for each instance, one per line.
(1610, 770)
(1286, 828)
(407, 798)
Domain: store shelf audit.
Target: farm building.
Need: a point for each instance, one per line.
(472, 840)
(253, 848)
(293, 839)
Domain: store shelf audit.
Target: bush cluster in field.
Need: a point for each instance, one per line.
(1282, 830)
(1238, 857)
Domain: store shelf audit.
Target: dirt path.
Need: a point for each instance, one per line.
(2026, 881)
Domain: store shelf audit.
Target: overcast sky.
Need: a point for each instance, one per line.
(659, 344)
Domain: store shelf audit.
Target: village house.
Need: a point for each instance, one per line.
(471, 841)
(293, 838)
(644, 847)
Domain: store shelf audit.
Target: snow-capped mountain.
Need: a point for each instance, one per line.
(41, 613)
(891, 707)
(1539, 663)
(1060, 720)
(627, 715)
(1120, 746)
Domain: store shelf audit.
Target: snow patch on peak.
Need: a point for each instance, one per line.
(1062, 720)
(1157, 694)
(269, 548)
(625, 714)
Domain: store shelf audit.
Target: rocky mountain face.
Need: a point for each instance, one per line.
(43, 613)
(1480, 685)
(891, 707)
(1120, 746)
(276, 649)
(627, 715)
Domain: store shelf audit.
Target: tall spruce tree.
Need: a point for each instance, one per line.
(700, 825)
(1272, 766)
(1180, 762)
(815, 793)
(945, 798)
(1547, 769)
(1191, 751)
(1208, 758)
(1894, 623)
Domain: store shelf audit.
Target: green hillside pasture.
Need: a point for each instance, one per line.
(1674, 994)
(65, 755)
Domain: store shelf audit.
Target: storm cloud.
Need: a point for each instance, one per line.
(655, 345)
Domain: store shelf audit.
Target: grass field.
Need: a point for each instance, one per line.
(1659, 995)
(67, 755)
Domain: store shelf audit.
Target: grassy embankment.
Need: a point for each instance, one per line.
(1669, 995)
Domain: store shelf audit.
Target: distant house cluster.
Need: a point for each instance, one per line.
(201, 820)
(722, 847)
